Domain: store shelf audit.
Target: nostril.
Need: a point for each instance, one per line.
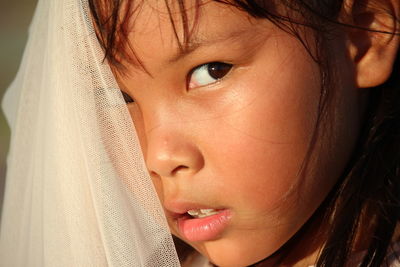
(179, 169)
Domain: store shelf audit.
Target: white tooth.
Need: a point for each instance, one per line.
(202, 213)
(207, 210)
(193, 212)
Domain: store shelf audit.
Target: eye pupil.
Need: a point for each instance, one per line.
(218, 70)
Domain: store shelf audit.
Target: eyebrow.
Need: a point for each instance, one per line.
(195, 43)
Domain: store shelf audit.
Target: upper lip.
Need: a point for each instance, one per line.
(178, 208)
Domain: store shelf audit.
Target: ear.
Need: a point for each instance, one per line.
(373, 52)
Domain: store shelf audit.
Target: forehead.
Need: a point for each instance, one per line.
(164, 15)
(162, 30)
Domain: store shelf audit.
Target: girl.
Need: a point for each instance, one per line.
(301, 166)
(269, 129)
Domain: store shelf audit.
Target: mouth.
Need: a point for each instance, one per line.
(201, 213)
(203, 224)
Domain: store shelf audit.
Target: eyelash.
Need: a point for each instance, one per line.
(221, 69)
(127, 98)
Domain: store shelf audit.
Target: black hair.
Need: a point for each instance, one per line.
(365, 199)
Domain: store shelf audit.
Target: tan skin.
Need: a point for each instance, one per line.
(238, 142)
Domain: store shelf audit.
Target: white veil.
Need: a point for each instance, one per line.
(77, 190)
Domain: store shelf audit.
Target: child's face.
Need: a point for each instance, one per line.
(235, 144)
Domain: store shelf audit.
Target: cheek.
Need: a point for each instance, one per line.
(266, 135)
(262, 174)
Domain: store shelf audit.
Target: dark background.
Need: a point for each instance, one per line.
(15, 17)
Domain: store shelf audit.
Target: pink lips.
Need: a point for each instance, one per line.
(203, 229)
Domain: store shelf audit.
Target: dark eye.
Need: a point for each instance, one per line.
(127, 98)
(208, 73)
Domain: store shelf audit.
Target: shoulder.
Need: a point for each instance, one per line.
(392, 258)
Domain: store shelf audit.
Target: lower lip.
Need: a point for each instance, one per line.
(203, 229)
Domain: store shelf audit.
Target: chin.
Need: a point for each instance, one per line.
(236, 254)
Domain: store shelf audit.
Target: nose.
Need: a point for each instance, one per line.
(170, 153)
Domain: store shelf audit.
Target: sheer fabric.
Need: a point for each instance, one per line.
(77, 189)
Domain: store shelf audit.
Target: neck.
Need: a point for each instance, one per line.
(303, 248)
